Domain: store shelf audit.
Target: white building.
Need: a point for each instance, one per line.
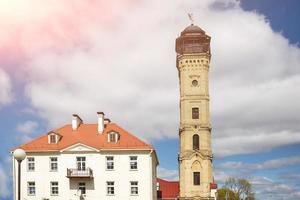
(88, 161)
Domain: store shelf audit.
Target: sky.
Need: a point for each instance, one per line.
(63, 57)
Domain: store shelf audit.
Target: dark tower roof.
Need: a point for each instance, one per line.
(193, 40)
(192, 29)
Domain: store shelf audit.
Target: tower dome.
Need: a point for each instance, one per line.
(193, 40)
(192, 29)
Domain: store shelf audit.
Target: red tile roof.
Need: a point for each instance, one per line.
(87, 134)
(168, 189)
(213, 186)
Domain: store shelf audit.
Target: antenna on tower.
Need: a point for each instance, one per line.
(191, 17)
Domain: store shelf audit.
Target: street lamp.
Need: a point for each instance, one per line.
(19, 155)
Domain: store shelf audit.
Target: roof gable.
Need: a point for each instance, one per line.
(79, 148)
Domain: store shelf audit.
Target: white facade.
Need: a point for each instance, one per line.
(144, 177)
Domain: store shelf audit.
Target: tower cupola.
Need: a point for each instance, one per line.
(193, 40)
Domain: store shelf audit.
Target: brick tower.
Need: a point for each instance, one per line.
(195, 156)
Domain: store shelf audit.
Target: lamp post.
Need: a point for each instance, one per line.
(19, 155)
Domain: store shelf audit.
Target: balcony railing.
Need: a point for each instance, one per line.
(77, 173)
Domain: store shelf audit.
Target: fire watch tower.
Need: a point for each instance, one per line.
(195, 156)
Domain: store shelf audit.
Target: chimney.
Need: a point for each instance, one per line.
(100, 122)
(106, 121)
(76, 121)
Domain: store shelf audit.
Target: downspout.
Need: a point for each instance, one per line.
(151, 175)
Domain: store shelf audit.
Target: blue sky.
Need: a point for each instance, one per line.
(72, 68)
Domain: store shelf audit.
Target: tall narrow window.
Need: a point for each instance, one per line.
(112, 137)
(109, 162)
(196, 142)
(82, 188)
(133, 163)
(52, 138)
(53, 164)
(81, 163)
(54, 188)
(30, 164)
(110, 187)
(196, 178)
(134, 189)
(195, 113)
(31, 188)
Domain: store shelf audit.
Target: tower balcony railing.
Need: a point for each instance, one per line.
(79, 173)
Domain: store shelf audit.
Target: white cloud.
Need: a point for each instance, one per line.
(119, 58)
(5, 91)
(251, 141)
(4, 191)
(285, 185)
(269, 164)
(263, 187)
(271, 190)
(27, 127)
(26, 130)
(167, 174)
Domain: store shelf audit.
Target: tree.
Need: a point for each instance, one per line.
(241, 187)
(226, 194)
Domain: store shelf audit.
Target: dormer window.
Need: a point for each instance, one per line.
(113, 137)
(53, 138)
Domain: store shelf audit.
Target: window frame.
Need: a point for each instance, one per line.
(133, 163)
(195, 113)
(196, 178)
(30, 164)
(134, 188)
(54, 188)
(112, 137)
(31, 188)
(196, 142)
(108, 162)
(51, 137)
(81, 163)
(53, 162)
(110, 188)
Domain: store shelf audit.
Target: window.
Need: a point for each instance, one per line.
(80, 163)
(134, 190)
(54, 188)
(195, 113)
(30, 164)
(52, 138)
(196, 178)
(110, 187)
(31, 188)
(113, 137)
(109, 162)
(157, 186)
(196, 142)
(53, 164)
(194, 82)
(82, 188)
(133, 162)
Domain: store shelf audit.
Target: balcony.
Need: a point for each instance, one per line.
(77, 173)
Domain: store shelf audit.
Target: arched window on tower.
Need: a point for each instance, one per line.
(195, 142)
